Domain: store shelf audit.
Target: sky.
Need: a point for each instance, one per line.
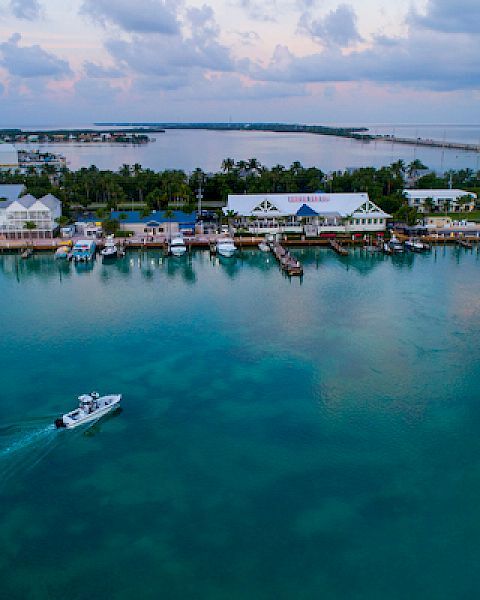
(74, 62)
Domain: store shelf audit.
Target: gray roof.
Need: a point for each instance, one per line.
(11, 191)
(28, 201)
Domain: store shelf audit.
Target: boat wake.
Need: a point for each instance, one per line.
(23, 446)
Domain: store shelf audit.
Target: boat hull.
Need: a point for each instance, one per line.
(179, 251)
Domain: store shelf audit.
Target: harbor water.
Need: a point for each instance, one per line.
(279, 438)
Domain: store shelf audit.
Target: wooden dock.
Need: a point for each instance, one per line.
(289, 265)
(338, 248)
(465, 244)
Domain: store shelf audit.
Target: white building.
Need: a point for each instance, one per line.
(8, 157)
(15, 213)
(427, 201)
(309, 214)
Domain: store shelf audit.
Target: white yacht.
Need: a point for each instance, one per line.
(395, 245)
(264, 247)
(416, 245)
(226, 247)
(110, 249)
(91, 407)
(177, 246)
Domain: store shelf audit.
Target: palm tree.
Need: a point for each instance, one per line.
(169, 214)
(30, 226)
(254, 166)
(414, 167)
(227, 165)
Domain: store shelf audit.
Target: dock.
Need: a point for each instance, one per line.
(289, 265)
(338, 248)
(465, 244)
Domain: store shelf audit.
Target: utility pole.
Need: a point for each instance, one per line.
(199, 196)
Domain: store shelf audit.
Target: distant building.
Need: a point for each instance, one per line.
(8, 157)
(15, 213)
(156, 223)
(444, 201)
(310, 214)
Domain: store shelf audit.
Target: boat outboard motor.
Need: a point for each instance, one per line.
(59, 423)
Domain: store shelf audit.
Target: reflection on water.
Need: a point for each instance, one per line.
(154, 262)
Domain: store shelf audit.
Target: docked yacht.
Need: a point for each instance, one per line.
(83, 251)
(110, 249)
(416, 245)
(177, 247)
(226, 247)
(264, 247)
(395, 245)
(91, 407)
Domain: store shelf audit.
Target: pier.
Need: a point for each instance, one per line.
(291, 266)
(338, 248)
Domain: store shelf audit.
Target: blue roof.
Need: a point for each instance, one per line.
(134, 216)
(306, 211)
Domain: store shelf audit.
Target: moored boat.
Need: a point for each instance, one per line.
(395, 245)
(91, 407)
(177, 246)
(416, 245)
(62, 252)
(83, 251)
(226, 247)
(110, 249)
(264, 247)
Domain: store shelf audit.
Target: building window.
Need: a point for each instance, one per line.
(369, 221)
(363, 221)
(380, 221)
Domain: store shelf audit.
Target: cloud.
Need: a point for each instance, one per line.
(260, 11)
(31, 61)
(459, 16)
(170, 59)
(95, 71)
(139, 16)
(422, 60)
(30, 10)
(338, 27)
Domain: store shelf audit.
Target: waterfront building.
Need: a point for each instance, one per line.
(16, 212)
(309, 214)
(156, 223)
(8, 157)
(446, 201)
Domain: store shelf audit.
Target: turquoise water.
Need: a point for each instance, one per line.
(314, 438)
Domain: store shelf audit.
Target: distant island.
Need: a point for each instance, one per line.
(350, 132)
(83, 136)
(358, 133)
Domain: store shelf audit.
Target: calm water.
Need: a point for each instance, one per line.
(206, 149)
(278, 439)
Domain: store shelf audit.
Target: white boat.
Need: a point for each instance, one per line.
(395, 245)
(177, 246)
(91, 407)
(226, 247)
(264, 247)
(110, 249)
(416, 245)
